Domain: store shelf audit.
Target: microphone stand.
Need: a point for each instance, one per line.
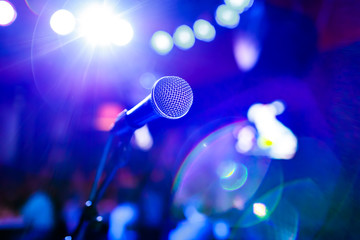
(89, 213)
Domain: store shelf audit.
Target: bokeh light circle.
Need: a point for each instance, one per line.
(184, 37)
(7, 13)
(204, 31)
(63, 22)
(239, 5)
(162, 42)
(227, 17)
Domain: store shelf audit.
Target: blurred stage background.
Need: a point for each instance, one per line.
(269, 149)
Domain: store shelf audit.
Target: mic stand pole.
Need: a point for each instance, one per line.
(89, 213)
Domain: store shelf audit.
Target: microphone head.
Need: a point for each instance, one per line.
(171, 97)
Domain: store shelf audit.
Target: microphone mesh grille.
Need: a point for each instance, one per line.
(172, 97)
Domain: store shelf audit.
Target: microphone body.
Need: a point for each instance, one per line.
(171, 97)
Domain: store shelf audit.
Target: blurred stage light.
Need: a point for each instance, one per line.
(7, 13)
(143, 138)
(227, 17)
(221, 230)
(245, 139)
(239, 5)
(184, 37)
(246, 52)
(260, 210)
(102, 27)
(123, 32)
(120, 218)
(279, 107)
(106, 116)
(162, 42)
(204, 31)
(274, 140)
(62, 22)
(147, 80)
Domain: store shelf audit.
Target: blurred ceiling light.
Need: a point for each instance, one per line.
(204, 31)
(162, 42)
(102, 27)
(260, 210)
(7, 13)
(246, 52)
(184, 37)
(227, 17)
(239, 5)
(63, 22)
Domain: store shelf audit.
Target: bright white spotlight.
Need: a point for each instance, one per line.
(162, 42)
(62, 22)
(204, 30)
(260, 210)
(102, 27)
(227, 17)
(239, 5)
(123, 32)
(7, 13)
(184, 37)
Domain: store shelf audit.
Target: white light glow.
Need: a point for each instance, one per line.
(260, 210)
(184, 37)
(227, 17)
(246, 52)
(62, 22)
(7, 13)
(162, 42)
(102, 27)
(239, 5)
(204, 31)
(245, 139)
(123, 32)
(275, 139)
(143, 138)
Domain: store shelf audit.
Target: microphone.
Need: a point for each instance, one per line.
(171, 97)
